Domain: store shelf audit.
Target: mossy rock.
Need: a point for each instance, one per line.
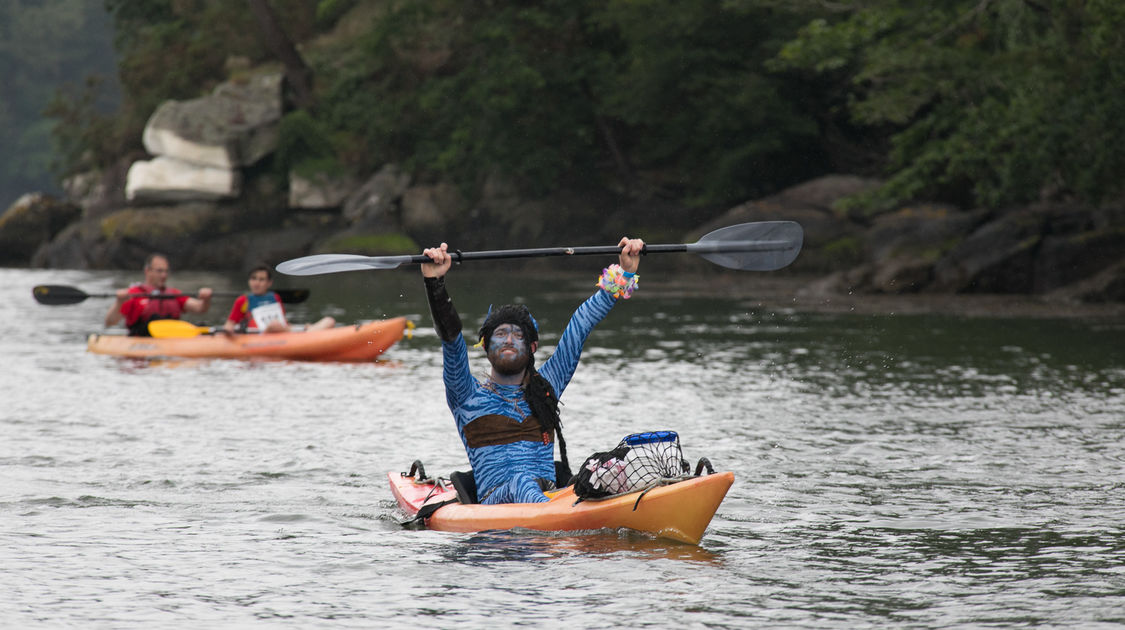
(162, 223)
(30, 223)
(369, 244)
(843, 252)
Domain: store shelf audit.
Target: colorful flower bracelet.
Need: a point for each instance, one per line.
(618, 282)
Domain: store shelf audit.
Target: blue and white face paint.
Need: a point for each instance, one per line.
(505, 331)
(507, 349)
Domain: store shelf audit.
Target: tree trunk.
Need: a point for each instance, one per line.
(297, 74)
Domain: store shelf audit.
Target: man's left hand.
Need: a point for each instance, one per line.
(630, 258)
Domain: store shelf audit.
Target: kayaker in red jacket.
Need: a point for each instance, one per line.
(261, 309)
(509, 423)
(139, 304)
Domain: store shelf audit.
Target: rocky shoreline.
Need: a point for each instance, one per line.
(207, 194)
(800, 293)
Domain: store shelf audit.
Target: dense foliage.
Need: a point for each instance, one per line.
(650, 94)
(994, 102)
(980, 102)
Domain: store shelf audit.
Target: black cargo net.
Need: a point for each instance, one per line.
(639, 462)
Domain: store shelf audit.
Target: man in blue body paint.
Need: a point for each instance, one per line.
(509, 422)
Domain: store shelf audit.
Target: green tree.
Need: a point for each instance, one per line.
(464, 90)
(991, 102)
(648, 95)
(688, 80)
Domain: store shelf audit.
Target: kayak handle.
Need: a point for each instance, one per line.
(704, 463)
(416, 467)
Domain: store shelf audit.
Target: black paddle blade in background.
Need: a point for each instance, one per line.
(291, 296)
(58, 294)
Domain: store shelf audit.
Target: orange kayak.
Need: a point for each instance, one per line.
(680, 511)
(361, 342)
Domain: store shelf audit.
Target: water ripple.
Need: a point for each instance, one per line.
(915, 471)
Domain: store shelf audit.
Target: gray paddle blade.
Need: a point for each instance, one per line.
(760, 246)
(335, 263)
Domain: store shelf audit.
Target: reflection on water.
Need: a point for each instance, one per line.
(917, 471)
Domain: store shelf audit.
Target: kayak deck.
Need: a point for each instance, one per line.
(680, 511)
(361, 342)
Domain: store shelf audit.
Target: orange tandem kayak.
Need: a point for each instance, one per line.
(680, 511)
(361, 342)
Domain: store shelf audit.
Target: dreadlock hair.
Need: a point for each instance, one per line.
(540, 395)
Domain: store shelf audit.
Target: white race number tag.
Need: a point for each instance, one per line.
(267, 314)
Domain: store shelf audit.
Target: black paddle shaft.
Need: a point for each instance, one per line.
(541, 252)
(695, 248)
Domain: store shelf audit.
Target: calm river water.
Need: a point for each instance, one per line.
(912, 471)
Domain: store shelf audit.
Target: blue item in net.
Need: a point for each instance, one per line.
(650, 437)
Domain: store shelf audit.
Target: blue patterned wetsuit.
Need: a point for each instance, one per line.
(518, 451)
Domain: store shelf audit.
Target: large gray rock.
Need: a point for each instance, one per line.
(235, 126)
(831, 241)
(923, 230)
(1077, 244)
(904, 245)
(77, 246)
(86, 189)
(101, 191)
(374, 203)
(1033, 250)
(31, 222)
(1107, 285)
(998, 257)
(1065, 259)
(824, 192)
(119, 239)
(169, 179)
(244, 250)
(905, 273)
(429, 212)
(319, 192)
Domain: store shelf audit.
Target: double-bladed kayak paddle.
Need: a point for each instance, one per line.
(760, 246)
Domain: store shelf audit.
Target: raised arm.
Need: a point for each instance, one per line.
(456, 372)
(447, 322)
(616, 281)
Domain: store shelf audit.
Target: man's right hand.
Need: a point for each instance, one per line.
(442, 261)
(113, 315)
